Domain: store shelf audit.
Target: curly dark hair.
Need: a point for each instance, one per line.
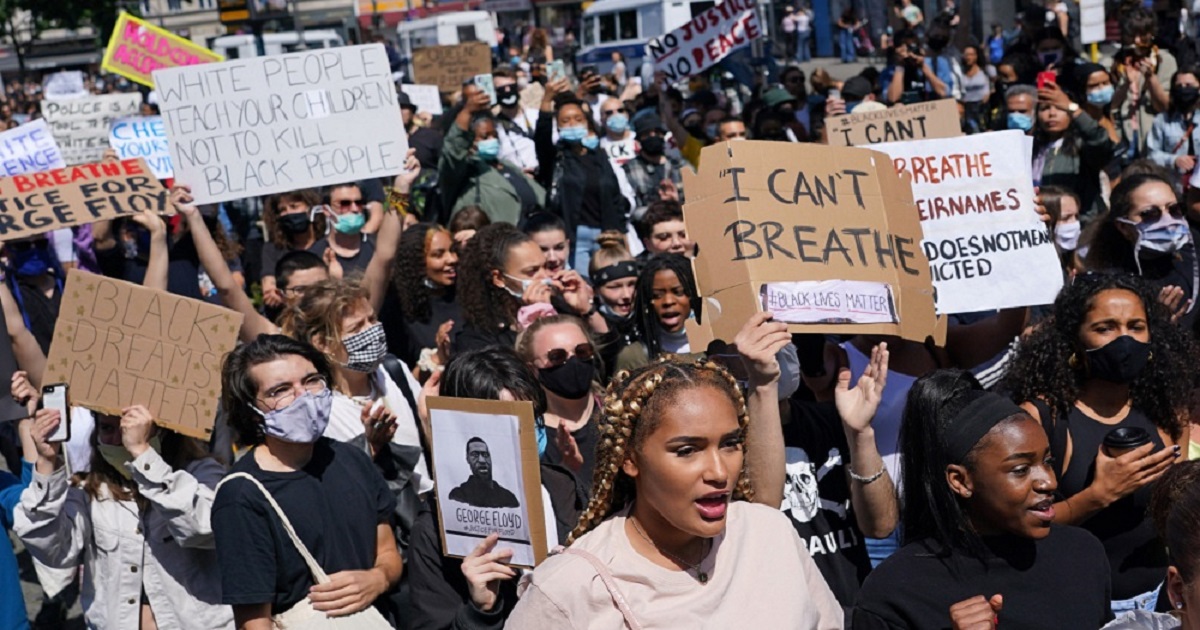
(486, 306)
(408, 271)
(1043, 368)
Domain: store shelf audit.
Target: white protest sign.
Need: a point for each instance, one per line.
(29, 148)
(143, 137)
(986, 246)
(706, 39)
(80, 126)
(1091, 19)
(263, 125)
(426, 98)
(62, 85)
(830, 301)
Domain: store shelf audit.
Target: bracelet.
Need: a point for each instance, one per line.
(866, 480)
(397, 201)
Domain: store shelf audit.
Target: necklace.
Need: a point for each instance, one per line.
(700, 574)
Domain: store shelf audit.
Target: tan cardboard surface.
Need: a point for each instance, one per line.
(40, 202)
(447, 66)
(919, 121)
(118, 344)
(778, 212)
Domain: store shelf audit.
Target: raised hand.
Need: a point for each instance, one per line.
(857, 405)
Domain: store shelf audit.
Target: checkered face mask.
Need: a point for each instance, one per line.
(365, 349)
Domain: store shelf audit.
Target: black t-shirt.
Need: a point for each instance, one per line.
(817, 497)
(407, 338)
(335, 503)
(586, 439)
(40, 312)
(1060, 581)
(589, 207)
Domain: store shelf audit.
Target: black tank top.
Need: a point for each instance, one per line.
(1137, 557)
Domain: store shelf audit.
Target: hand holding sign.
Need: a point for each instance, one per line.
(758, 342)
(137, 427)
(484, 569)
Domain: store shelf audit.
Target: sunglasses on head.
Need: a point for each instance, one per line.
(559, 356)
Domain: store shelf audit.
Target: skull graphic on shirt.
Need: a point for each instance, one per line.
(800, 494)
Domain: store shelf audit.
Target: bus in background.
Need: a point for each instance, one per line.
(242, 46)
(625, 26)
(446, 29)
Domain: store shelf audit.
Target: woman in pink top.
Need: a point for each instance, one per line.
(670, 539)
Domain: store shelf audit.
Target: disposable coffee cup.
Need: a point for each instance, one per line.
(1121, 440)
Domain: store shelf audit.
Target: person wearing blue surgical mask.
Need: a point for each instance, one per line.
(618, 142)
(1094, 90)
(346, 214)
(1146, 233)
(474, 170)
(1021, 103)
(1172, 143)
(35, 278)
(278, 397)
(586, 191)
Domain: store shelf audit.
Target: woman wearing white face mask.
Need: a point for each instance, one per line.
(1145, 233)
(276, 392)
(1063, 206)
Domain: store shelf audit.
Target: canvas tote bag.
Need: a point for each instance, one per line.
(302, 616)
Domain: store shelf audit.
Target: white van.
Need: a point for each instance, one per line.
(625, 26)
(240, 46)
(446, 29)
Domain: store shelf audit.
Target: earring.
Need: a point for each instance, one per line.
(1179, 605)
(1073, 361)
(1150, 357)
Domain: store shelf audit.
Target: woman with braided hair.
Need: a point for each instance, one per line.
(670, 532)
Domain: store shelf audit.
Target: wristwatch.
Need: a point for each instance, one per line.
(1072, 108)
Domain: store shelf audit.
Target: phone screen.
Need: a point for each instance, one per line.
(55, 397)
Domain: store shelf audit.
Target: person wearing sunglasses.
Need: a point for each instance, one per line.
(1145, 233)
(347, 213)
(560, 351)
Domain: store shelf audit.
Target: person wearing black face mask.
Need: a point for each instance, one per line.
(1172, 143)
(561, 352)
(514, 124)
(35, 279)
(1110, 358)
(652, 174)
(292, 225)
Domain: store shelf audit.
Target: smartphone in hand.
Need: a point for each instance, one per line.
(1048, 76)
(55, 397)
(556, 70)
(488, 85)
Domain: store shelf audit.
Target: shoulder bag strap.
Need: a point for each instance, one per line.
(1056, 431)
(317, 572)
(611, 584)
(396, 369)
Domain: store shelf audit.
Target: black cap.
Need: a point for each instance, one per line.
(648, 122)
(404, 100)
(855, 89)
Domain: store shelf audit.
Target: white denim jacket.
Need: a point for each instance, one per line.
(174, 561)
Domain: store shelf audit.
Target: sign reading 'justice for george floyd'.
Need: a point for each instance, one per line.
(264, 125)
(826, 238)
(40, 202)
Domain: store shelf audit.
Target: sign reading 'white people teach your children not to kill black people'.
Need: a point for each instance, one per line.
(263, 125)
(986, 246)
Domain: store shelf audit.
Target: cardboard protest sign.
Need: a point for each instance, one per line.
(80, 126)
(706, 39)
(986, 246)
(30, 147)
(263, 125)
(931, 119)
(426, 98)
(447, 66)
(826, 238)
(67, 84)
(47, 200)
(118, 344)
(485, 462)
(137, 48)
(143, 137)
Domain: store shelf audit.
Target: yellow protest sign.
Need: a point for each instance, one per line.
(138, 48)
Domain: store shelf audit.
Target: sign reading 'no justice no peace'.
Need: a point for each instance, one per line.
(265, 125)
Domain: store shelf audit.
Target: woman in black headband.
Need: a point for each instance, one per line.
(614, 274)
(977, 513)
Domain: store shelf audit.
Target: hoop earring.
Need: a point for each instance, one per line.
(1073, 361)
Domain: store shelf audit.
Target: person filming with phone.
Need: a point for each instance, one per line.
(137, 522)
(1070, 148)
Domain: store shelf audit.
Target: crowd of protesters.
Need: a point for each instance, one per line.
(1035, 470)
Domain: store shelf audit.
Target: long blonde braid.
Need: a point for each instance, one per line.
(626, 422)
